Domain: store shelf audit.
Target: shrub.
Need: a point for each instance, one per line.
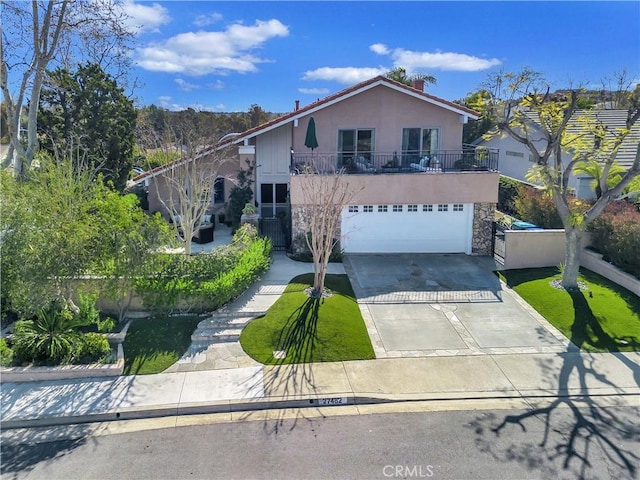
(52, 336)
(88, 313)
(507, 193)
(93, 347)
(6, 353)
(534, 206)
(206, 281)
(240, 195)
(106, 325)
(616, 235)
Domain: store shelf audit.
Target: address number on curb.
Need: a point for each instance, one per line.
(332, 401)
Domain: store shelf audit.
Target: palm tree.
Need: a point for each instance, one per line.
(595, 170)
(399, 74)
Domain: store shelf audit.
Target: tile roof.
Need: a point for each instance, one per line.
(613, 120)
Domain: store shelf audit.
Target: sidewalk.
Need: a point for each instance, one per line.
(340, 383)
(254, 386)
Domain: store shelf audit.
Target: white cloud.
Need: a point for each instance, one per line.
(379, 48)
(167, 102)
(201, 53)
(145, 17)
(346, 75)
(217, 85)
(204, 20)
(441, 61)
(314, 91)
(186, 86)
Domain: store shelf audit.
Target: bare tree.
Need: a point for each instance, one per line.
(37, 34)
(324, 197)
(189, 190)
(551, 126)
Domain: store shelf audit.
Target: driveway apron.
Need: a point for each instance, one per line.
(441, 305)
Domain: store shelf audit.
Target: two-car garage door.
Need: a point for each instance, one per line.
(443, 228)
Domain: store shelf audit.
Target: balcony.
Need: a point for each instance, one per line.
(467, 159)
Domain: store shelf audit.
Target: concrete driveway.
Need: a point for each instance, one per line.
(424, 305)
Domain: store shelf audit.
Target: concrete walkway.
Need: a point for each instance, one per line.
(224, 379)
(539, 376)
(253, 303)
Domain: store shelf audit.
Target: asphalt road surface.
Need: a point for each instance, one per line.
(561, 440)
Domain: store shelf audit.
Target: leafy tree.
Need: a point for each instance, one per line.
(241, 194)
(474, 129)
(87, 112)
(528, 113)
(39, 33)
(48, 234)
(399, 74)
(60, 222)
(129, 239)
(257, 116)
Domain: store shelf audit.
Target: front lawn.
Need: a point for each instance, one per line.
(310, 330)
(604, 317)
(154, 344)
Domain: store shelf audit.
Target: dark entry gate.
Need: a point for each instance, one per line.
(275, 229)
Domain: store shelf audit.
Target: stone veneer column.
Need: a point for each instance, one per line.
(300, 226)
(483, 216)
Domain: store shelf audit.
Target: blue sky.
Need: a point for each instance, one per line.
(226, 56)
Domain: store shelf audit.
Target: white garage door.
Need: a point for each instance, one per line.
(445, 228)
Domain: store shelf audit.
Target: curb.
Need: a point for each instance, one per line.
(236, 406)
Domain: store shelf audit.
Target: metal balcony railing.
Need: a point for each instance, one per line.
(442, 161)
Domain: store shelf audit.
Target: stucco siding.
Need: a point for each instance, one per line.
(387, 112)
(463, 187)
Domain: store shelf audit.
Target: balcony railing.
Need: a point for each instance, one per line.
(466, 159)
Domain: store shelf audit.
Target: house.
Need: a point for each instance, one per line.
(421, 190)
(515, 160)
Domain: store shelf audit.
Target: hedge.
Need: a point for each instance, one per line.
(616, 235)
(205, 282)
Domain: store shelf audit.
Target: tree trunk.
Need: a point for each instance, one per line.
(572, 257)
(320, 272)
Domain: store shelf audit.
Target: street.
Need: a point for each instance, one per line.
(562, 439)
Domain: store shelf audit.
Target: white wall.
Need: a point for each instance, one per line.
(518, 167)
(273, 155)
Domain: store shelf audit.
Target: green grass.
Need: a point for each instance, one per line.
(310, 330)
(154, 344)
(603, 318)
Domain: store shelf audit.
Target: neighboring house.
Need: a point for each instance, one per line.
(422, 191)
(515, 160)
(156, 184)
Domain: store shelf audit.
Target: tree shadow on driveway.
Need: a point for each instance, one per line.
(570, 446)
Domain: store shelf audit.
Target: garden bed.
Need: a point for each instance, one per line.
(64, 372)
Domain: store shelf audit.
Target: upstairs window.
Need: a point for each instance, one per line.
(419, 142)
(355, 143)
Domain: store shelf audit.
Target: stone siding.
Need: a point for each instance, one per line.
(300, 226)
(483, 215)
